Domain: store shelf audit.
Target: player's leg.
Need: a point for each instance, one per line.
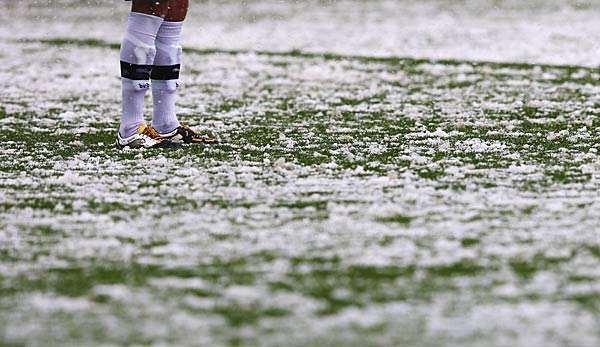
(167, 66)
(165, 77)
(138, 51)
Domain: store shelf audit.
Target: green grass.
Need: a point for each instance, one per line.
(390, 189)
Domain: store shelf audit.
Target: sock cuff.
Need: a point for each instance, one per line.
(144, 24)
(170, 30)
(142, 16)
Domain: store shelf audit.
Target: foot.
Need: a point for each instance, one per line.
(146, 137)
(185, 134)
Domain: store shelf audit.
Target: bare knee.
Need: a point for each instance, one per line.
(177, 10)
(158, 8)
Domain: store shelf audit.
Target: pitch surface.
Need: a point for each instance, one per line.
(353, 201)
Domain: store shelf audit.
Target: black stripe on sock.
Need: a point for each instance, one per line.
(165, 73)
(135, 72)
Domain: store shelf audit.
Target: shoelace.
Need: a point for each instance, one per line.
(186, 127)
(191, 134)
(152, 133)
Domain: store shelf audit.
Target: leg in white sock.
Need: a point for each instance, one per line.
(137, 56)
(164, 94)
(165, 76)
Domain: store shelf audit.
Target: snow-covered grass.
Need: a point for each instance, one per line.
(352, 201)
(543, 31)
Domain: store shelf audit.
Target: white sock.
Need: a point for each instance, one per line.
(164, 94)
(165, 76)
(137, 56)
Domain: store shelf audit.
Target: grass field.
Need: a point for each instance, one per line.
(353, 201)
